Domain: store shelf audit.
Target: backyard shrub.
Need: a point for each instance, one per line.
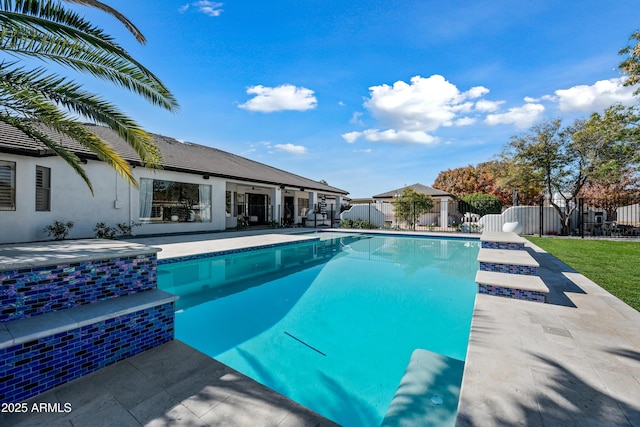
(357, 223)
(103, 231)
(481, 204)
(242, 223)
(126, 229)
(58, 230)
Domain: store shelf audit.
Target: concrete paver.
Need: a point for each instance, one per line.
(570, 362)
(197, 391)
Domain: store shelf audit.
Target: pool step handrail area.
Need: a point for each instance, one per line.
(70, 308)
(506, 269)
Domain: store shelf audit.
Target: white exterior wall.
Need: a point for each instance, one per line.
(527, 216)
(71, 200)
(114, 201)
(364, 212)
(628, 215)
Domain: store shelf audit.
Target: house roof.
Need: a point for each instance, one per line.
(177, 156)
(418, 188)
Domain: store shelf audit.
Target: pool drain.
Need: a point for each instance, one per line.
(437, 400)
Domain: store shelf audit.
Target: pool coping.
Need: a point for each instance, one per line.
(19, 256)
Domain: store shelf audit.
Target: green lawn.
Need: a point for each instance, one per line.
(613, 265)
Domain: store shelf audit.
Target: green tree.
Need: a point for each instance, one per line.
(410, 205)
(48, 31)
(631, 65)
(481, 204)
(600, 149)
(544, 155)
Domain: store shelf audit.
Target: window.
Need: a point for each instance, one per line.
(170, 201)
(43, 188)
(229, 204)
(303, 206)
(7, 186)
(240, 204)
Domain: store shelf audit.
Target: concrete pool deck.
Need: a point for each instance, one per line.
(572, 362)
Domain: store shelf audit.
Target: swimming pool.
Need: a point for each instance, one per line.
(331, 324)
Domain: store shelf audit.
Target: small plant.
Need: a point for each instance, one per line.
(59, 230)
(125, 229)
(475, 227)
(357, 223)
(346, 223)
(103, 231)
(242, 223)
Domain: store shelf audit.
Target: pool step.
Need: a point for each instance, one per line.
(501, 240)
(516, 286)
(507, 261)
(507, 269)
(426, 397)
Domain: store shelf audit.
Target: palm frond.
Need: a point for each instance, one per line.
(45, 29)
(20, 100)
(48, 31)
(70, 96)
(36, 37)
(119, 16)
(69, 157)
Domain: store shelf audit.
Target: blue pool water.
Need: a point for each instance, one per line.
(330, 324)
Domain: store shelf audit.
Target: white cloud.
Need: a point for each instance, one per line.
(485, 106)
(465, 121)
(521, 117)
(392, 135)
(477, 92)
(410, 112)
(292, 149)
(423, 105)
(364, 150)
(284, 97)
(351, 137)
(355, 119)
(209, 8)
(596, 97)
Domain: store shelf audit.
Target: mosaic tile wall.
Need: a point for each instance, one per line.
(34, 367)
(509, 268)
(512, 293)
(503, 245)
(33, 291)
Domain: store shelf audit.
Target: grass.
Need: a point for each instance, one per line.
(613, 265)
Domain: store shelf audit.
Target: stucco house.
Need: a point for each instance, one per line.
(390, 196)
(198, 189)
(442, 215)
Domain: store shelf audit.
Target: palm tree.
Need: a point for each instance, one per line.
(30, 97)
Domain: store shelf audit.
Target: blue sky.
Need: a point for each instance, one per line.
(372, 95)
